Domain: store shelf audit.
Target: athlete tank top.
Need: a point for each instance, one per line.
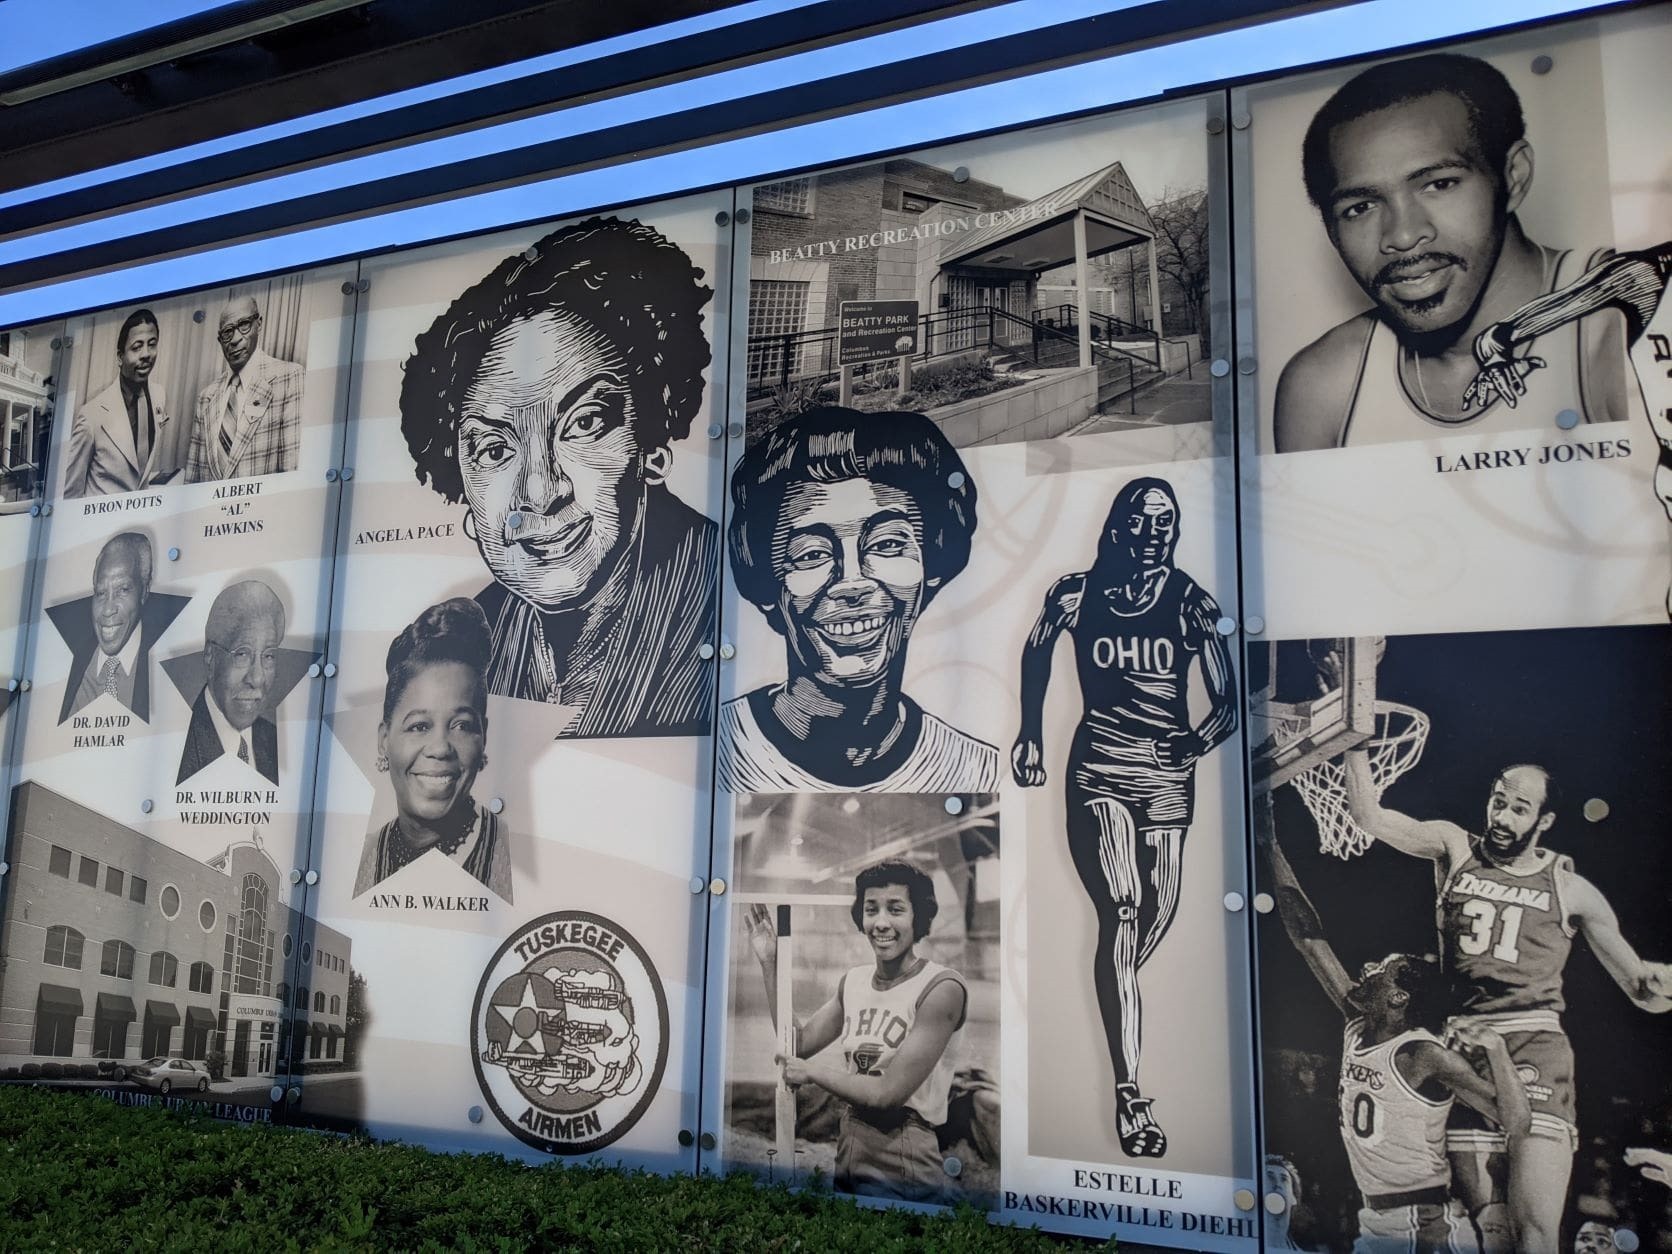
(1135, 667)
(876, 1022)
(1383, 409)
(1394, 1136)
(1506, 934)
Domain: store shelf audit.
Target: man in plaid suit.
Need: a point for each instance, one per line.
(249, 420)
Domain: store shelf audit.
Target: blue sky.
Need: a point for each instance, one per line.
(35, 30)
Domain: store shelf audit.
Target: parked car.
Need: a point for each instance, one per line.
(165, 1074)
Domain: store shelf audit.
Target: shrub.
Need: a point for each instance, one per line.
(52, 1071)
(30, 1070)
(102, 1177)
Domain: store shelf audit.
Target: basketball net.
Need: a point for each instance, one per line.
(1394, 747)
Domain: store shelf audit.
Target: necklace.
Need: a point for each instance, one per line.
(1422, 391)
(404, 851)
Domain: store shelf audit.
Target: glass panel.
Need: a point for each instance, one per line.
(170, 731)
(516, 799)
(946, 870)
(1455, 540)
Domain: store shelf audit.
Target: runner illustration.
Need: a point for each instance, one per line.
(1138, 623)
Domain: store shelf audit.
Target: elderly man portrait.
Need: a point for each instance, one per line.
(547, 400)
(249, 420)
(1419, 168)
(125, 438)
(241, 649)
(111, 658)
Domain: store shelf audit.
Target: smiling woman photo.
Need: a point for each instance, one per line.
(547, 401)
(432, 743)
(897, 1019)
(845, 526)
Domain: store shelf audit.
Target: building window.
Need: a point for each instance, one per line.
(330, 1047)
(206, 915)
(58, 862)
(88, 872)
(110, 1033)
(282, 993)
(113, 881)
(165, 969)
(786, 196)
(202, 978)
(336, 1004)
(319, 1002)
(288, 946)
(302, 997)
(63, 948)
(136, 889)
(313, 1045)
(307, 953)
(169, 901)
(55, 1024)
(117, 960)
(777, 309)
(253, 969)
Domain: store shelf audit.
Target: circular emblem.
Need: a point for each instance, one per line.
(569, 1032)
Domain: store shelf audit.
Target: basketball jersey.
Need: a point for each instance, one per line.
(1394, 1136)
(1135, 666)
(1507, 934)
(1383, 410)
(876, 1022)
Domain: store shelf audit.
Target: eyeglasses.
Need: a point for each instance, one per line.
(242, 327)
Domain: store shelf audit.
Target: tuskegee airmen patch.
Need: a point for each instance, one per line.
(569, 1032)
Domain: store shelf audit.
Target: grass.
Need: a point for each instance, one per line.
(81, 1173)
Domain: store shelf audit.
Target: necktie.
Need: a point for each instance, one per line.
(243, 749)
(107, 678)
(229, 419)
(144, 426)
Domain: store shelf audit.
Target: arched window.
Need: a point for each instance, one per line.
(117, 960)
(63, 947)
(302, 997)
(203, 978)
(165, 968)
(254, 953)
(283, 994)
(336, 1004)
(319, 1002)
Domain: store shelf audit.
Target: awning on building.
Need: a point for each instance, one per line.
(198, 1017)
(1040, 234)
(334, 1030)
(162, 1012)
(115, 1006)
(57, 998)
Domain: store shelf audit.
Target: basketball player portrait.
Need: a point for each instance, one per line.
(1418, 168)
(1508, 913)
(1399, 1081)
(1139, 626)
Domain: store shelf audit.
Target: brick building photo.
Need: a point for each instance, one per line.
(118, 949)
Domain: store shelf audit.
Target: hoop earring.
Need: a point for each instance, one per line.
(382, 763)
(657, 463)
(469, 524)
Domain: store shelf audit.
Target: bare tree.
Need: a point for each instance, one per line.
(1181, 251)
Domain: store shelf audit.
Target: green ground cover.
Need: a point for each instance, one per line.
(80, 1173)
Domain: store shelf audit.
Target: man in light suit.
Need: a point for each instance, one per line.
(249, 420)
(240, 649)
(125, 439)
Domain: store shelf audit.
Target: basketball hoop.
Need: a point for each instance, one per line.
(1394, 747)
